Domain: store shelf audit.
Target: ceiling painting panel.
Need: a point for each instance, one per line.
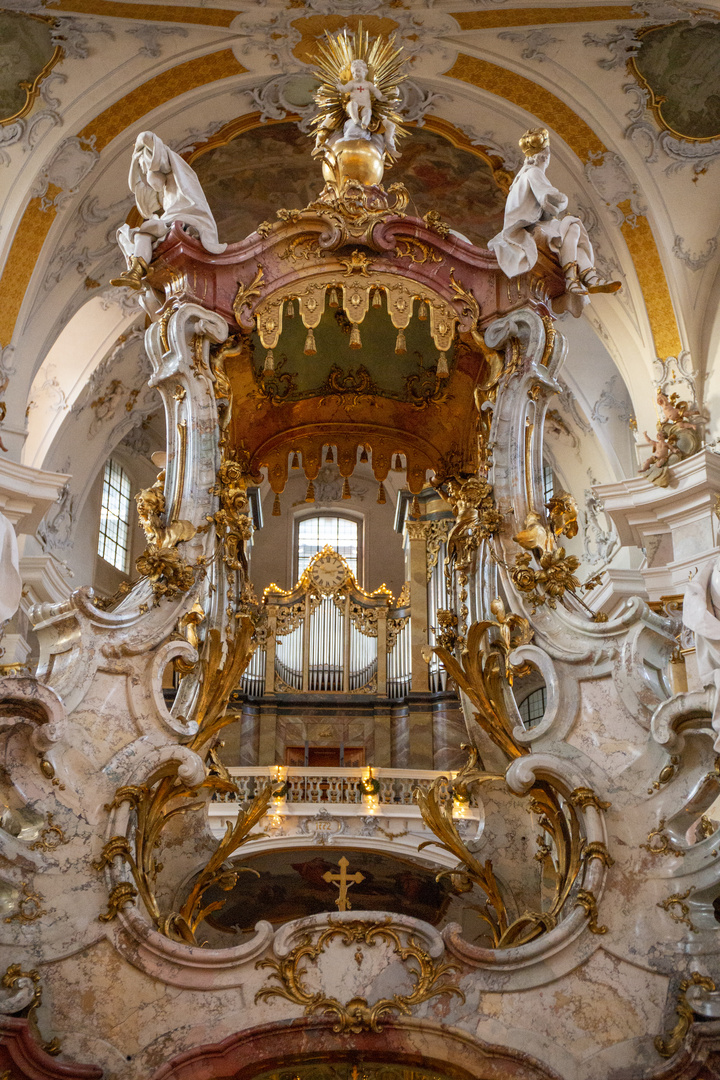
(28, 56)
(679, 66)
(271, 166)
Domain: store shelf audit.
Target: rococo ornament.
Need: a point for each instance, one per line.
(358, 1014)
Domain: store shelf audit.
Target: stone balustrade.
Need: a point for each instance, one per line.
(311, 786)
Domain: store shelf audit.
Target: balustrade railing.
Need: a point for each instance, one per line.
(332, 786)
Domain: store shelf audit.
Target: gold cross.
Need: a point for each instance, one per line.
(343, 879)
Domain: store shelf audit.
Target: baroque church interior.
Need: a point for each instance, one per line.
(359, 554)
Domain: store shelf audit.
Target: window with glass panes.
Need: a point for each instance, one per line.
(532, 709)
(341, 533)
(113, 540)
(548, 483)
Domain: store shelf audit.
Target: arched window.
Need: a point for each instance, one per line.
(113, 545)
(313, 533)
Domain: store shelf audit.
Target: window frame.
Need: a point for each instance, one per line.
(357, 519)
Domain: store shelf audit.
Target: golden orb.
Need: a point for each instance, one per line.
(358, 160)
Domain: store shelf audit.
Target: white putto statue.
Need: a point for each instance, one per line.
(533, 209)
(359, 103)
(166, 189)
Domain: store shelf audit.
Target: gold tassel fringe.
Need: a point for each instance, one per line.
(276, 507)
(400, 346)
(382, 497)
(346, 489)
(310, 493)
(310, 349)
(355, 342)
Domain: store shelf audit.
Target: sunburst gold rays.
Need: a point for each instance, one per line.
(385, 63)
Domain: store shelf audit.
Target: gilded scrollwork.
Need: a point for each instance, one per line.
(484, 672)
(682, 914)
(28, 906)
(667, 1045)
(51, 836)
(247, 293)
(357, 1015)
(435, 537)
(659, 843)
(172, 789)
(13, 978)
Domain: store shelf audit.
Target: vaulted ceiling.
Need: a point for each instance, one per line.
(231, 87)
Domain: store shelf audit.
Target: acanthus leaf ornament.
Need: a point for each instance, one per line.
(357, 1014)
(484, 671)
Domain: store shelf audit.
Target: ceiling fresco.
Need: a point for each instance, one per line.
(28, 53)
(678, 64)
(272, 166)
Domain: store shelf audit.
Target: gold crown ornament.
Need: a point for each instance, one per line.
(535, 140)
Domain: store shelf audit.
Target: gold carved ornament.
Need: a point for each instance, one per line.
(669, 1044)
(543, 572)
(357, 1015)
(682, 915)
(168, 571)
(10, 980)
(29, 906)
(165, 795)
(484, 673)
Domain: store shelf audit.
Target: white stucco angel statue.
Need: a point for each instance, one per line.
(166, 189)
(533, 210)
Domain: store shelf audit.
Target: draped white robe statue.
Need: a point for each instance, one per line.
(701, 614)
(533, 207)
(166, 189)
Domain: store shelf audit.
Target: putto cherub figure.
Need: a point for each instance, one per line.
(357, 101)
(533, 209)
(166, 189)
